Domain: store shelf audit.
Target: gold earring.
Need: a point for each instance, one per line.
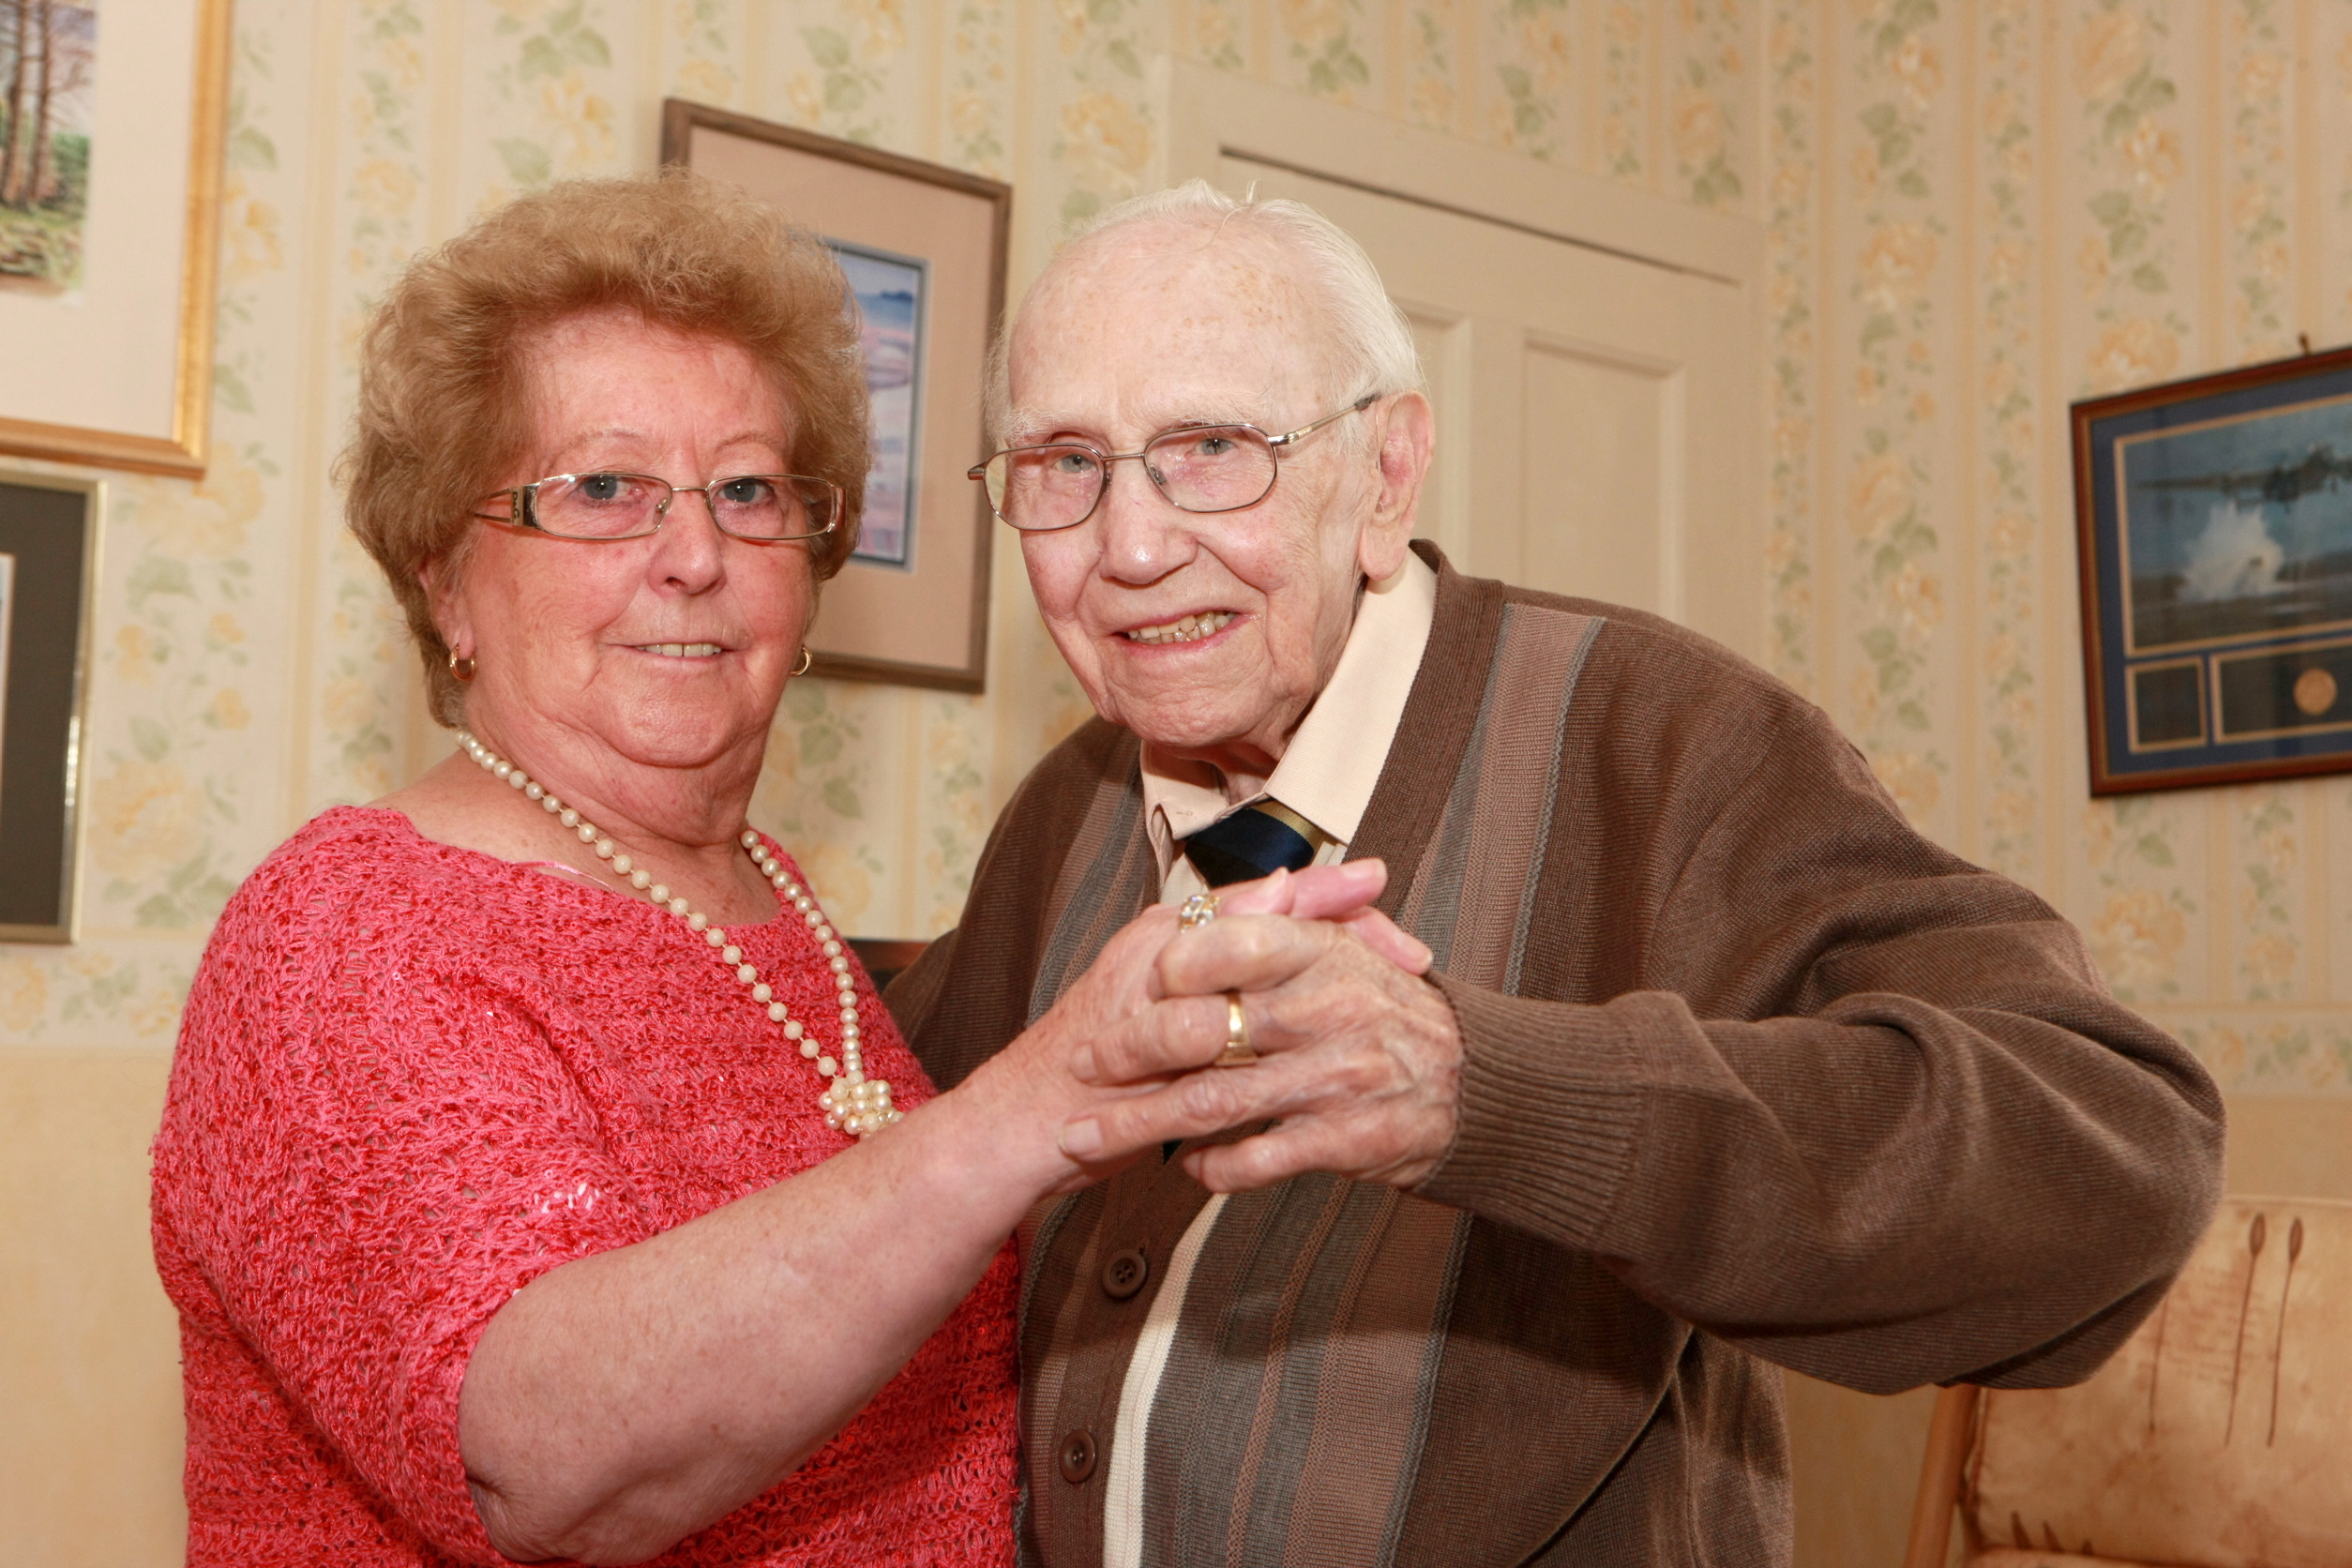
(462, 669)
(806, 658)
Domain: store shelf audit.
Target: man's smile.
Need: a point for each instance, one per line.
(1184, 628)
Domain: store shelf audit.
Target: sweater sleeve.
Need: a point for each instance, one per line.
(371, 1144)
(1867, 1111)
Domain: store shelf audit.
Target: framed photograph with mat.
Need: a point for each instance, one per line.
(110, 223)
(924, 247)
(2215, 521)
(48, 572)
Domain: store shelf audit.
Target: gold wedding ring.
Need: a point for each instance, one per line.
(1199, 909)
(1237, 1053)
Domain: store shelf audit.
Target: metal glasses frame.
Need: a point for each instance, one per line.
(1276, 444)
(524, 502)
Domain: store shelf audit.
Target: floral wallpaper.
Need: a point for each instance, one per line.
(1975, 211)
(1978, 212)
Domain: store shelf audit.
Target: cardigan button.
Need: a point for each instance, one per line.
(1125, 1274)
(1078, 1457)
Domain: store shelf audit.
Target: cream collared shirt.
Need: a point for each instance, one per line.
(1326, 775)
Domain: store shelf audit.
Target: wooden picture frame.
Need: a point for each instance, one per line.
(49, 545)
(110, 225)
(913, 607)
(2214, 521)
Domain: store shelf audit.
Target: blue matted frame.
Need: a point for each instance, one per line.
(2214, 523)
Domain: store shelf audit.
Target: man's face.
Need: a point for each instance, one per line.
(1156, 328)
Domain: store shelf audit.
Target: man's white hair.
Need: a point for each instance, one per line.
(1369, 343)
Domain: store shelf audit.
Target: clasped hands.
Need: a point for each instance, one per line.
(1358, 1055)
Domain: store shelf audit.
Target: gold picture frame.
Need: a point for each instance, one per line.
(158, 300)
(49, 568)
(914, 608)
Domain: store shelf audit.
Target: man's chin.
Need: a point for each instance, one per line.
(1218, 735)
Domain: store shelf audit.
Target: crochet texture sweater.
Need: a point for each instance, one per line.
(412, 1079)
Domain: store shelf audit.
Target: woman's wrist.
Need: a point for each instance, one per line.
(998, 1134)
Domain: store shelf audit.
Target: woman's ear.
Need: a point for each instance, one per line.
(447, 602)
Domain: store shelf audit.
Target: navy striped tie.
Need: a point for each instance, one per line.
(1250, 844)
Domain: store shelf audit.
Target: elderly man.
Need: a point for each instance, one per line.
(1716, 1064)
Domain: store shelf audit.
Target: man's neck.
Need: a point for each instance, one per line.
(1235, 774)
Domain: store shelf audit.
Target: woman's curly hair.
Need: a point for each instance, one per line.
(443, 411)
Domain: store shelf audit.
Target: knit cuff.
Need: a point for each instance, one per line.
(1549, 1105)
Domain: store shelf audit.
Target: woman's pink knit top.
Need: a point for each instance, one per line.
(411, 1080)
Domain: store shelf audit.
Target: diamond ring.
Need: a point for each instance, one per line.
(1199, 909)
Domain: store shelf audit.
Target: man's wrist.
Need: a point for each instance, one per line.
(1547, 1106)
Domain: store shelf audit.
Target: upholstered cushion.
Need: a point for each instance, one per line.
(2217, 1437)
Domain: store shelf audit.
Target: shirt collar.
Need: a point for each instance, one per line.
(1328, 770)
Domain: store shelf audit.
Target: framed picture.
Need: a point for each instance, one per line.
(2216, 556)
(923, 249)
(48, 570)
(890, 293)
(109, 198)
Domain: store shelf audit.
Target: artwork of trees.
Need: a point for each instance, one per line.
(48, 60)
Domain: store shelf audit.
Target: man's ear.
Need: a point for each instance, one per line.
(1407, 432)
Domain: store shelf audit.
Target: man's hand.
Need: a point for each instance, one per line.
(1044, 1077)
(1359, 1059)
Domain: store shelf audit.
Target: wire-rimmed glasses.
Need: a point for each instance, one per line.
(766, 508)
(1198, 468)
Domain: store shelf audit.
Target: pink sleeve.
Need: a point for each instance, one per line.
(373, 1145)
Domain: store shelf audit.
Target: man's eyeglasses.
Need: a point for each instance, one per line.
(770, 509)
(1199, 468)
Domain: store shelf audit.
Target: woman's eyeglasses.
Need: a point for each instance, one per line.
(770, 509)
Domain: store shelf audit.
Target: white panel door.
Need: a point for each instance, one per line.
(1596, 413)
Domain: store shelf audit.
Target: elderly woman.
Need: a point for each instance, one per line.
(540, 1175)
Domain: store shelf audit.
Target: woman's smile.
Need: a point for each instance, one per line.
(680, 650)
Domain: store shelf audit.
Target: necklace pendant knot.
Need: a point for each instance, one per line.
(860, 1107)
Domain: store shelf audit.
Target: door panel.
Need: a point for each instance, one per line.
(1597, 414)
(1597, 435)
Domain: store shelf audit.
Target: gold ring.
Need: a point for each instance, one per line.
(1237, 1053)
(1199, 909)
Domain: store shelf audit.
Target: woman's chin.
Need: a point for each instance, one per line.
(650, 712)
(661, 731)
(665, 738)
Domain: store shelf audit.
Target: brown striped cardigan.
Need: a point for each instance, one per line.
(1751, 1070)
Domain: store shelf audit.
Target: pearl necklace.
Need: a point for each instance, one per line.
(852, 1102)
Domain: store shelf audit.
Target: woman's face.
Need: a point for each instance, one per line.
(669, 649)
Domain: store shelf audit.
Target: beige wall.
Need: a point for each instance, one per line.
(89, 1349)
(1977, 210)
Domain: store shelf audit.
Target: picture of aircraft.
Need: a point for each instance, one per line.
(2321, 469)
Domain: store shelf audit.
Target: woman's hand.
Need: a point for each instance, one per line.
(1342, 894)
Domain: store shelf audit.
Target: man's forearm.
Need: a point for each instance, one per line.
(1885, 1194)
